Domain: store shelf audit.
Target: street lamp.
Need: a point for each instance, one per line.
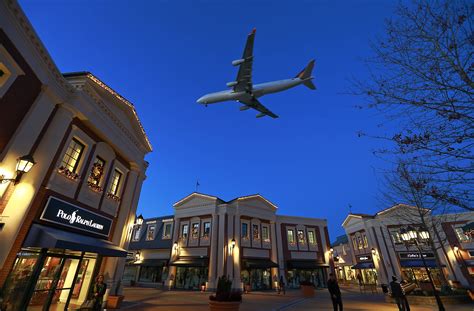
(412, 236)
(23, 165)
(139, 220)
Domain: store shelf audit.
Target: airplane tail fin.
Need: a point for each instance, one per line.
(305, 74)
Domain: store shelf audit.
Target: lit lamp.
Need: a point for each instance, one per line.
(232, 243)
(373, 251)
(175, 247)
(331, 250)
(23, 165)
(456, 248)
(139, 220)
(137, 256)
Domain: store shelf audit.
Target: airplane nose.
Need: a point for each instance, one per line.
(201, 100)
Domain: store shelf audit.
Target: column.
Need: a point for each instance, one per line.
(221, 244)
(174, 253)
(279, 243)
(237, 282)
(274, 255)
(212, 257)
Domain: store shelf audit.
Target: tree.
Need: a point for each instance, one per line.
(421, 77)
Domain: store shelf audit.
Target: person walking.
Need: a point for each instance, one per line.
(98, 292)
(281, 285)
(335, 292)
(399, 295)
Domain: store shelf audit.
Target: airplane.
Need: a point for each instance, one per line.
(245, 92)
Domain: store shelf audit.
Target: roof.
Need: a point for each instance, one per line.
(199, 194)
(108, 89)
(158, 242)
(246, 197)
(342, 239)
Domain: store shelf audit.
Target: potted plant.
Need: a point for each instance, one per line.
(225, 298)
(114, 301)
(307, 288)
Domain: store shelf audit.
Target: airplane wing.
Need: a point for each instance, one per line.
(244, 77)
(255, 104)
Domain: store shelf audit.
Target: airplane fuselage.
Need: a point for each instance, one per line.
(258, 90)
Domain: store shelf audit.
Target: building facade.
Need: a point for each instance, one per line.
(243, 239)
(68, 214)
(379, 252)
(343, 260)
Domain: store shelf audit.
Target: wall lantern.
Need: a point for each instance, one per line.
(137, 256)
(331, 250)
(373, 251)
(232, 243)
(139, 220)
(23, 165)
(456, 248)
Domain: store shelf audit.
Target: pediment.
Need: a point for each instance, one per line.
(257, 201)
(197, 199)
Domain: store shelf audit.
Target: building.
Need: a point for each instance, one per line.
(343, 259)
(243, 239)
(72, 164)
(379, 252)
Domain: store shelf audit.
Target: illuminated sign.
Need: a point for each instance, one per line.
(415, 255)
(364, 258)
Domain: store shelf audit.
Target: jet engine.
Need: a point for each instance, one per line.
(238, 62)
(231, 84)
(242, 108)
(260, 115)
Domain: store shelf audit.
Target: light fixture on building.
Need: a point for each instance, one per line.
(23, 165)
(137, 256)
(331, 250)
(373, 251)
(232, 243)
(456, 248)
(175, 247)
(139, 220)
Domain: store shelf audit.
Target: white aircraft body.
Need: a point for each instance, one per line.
(245, 92)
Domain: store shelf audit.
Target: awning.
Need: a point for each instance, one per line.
(364, 265)
(469, 263)
(191, 262)
(152, 262)
(304, 264)
(258, 263)
(418, 263)
(47, 237)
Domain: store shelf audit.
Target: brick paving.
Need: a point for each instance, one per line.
(145, 299)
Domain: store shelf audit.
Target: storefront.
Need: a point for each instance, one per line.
(413, 268)
(305, 270)
(55, 268)
(257, 273)
(365, 272)
(191, 273)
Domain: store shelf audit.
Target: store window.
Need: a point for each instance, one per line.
(167, 231)
(114, 185)
(265, 235)
(301, 239)
(291, 236)
(195, 233)
(72, 156)
(255, 233)
(462, 237)
(207, 229)
(311, 238)
(150, 233)
(366, 243)
(245, 230)
(97, 171)
(184, 231)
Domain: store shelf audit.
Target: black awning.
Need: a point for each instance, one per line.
(305, 264)
(418, 263)
(191, 262)
(364, 265)
(152, 262)
(258, 263)
(469, 263)
(47, 237)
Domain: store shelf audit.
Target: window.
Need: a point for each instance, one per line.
(366, 243)
(354, 243)
(184, 231)
(255, 233)
(136, 233)
(150, 233)
(167, 231)
(291, 236)
(301, 236)
(245, 230)
(114, 185)
(462, 237)
(97, 171)
(265, 235)
(397, 239)
(311, 238)
(195, 233)
(72, 156)
(207, 229)
(359, 242)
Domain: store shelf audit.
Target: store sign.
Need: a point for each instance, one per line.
(61, 212)
(364, 258)
(415, 255)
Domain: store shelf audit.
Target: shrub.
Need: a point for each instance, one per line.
(224, 291)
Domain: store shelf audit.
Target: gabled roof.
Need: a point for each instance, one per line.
(220, 201)
(252, 197)
(129, 106)
(198, 194)
(382, 212)
(342, 239)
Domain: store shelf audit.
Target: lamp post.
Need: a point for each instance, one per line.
(23, 165)
(412, 236)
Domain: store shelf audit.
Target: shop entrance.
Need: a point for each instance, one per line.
(315, 276)
(49, 280)
(259, 279)
(191, 277)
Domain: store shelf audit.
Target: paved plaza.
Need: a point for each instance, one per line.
(155, 299)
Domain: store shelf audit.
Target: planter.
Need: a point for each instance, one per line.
(113, 302)
(247, 288)
(307, 290)
(224, 305)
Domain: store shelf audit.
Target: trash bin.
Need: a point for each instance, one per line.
(384, 288)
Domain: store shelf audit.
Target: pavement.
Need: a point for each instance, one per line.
(138, 299)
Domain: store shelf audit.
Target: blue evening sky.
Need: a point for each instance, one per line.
(163, 55)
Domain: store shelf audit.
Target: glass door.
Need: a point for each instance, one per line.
(54, 283)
